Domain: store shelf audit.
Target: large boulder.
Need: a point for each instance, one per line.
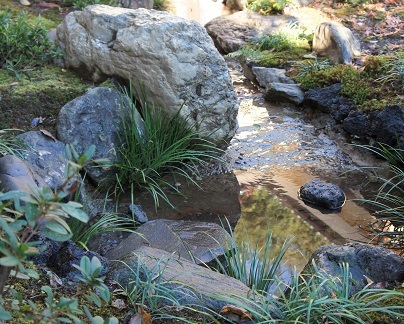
(46, 156)
(366, 263)
(336, 42)
(172, 59)
(201, 242)
(187, 282)
(95, 118)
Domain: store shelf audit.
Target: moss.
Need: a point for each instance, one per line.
(385, 318)
(39, 92)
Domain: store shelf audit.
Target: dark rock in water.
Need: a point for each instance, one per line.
(366, 262)
(387, 126)
(68, 254)
(138, 213)
(46, 157)
(200, 242)
(321, 193)
(357, 123)
(15, 174)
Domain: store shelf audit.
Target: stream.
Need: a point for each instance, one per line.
(272, 155)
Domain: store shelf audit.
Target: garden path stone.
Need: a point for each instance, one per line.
(170, 59)
(46, 156)
(191, 284)
(191, 240)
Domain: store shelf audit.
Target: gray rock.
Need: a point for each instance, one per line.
(282, 92)
(365, 261)
(266, 76)
(336, 42)
(46, 156)
(189, 283)
(172, 58)
(387, 126)
(199, 241)
(135, 4)
(15, 174)
(357, 123)
(94, 119)
(138, 214)
(321, 193)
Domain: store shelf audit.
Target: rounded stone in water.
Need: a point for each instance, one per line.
(321, 193)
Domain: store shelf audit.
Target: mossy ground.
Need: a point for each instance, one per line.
(40, 92)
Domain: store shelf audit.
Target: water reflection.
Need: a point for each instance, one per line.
(260, 209)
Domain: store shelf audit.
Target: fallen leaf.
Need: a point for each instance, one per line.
(235, 313)
(14, 83)
(47, 134)
(71, 186)
(141, 317)
(25, 2)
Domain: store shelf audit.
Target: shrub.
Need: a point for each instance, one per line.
(44, 212)
(166, 145)
(24, 42)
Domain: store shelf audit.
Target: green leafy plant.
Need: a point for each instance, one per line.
(23, 42)
(41, 211)
(164, 145)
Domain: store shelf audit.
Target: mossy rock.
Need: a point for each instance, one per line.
(37, 93)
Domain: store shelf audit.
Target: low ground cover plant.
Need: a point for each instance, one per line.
(23, 42)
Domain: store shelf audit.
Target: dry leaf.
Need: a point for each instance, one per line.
(25, 2)
(235, 313)
(47, 134)
(142, 317)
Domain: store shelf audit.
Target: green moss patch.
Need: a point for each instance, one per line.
(37, 93)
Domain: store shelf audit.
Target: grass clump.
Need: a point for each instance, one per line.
(277, 49)
(9, 144)
(388, 204)
(322, 298)
(159, 144)
(24, 42)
